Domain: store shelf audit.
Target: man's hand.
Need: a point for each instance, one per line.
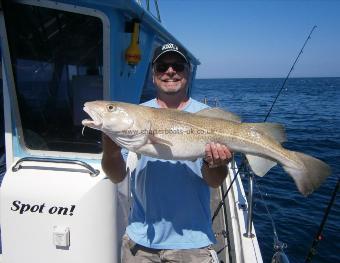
(217, 155)
(214, 169)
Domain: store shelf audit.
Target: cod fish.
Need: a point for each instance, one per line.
(177, 135)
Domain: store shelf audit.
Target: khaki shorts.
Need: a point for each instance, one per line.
(134, 253)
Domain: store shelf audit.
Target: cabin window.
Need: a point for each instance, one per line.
(57, 60)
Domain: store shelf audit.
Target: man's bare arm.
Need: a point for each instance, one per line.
(113, 163)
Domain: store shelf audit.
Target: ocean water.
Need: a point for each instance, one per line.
(310, 110)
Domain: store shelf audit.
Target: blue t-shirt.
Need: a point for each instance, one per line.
(170, 201)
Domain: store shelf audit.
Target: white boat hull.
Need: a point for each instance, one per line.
(40, 201)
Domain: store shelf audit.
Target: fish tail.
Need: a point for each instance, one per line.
(307, 172)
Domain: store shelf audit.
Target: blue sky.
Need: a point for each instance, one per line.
(257, 38)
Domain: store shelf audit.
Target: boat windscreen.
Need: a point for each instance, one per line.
(57, 62)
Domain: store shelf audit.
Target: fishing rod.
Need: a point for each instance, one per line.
(222, 202)
(243, 163)
(279, 255)
(290, 71)
(318, 236)
(279, 246)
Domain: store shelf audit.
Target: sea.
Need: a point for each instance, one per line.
(309, 108)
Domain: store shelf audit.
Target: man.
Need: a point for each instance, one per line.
(170, 217)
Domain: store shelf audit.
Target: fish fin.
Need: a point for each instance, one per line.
(310, 174)
(260, 165)
(131, 161)
(274, 130)
(219, 114)
(134, 142)
(156, 140)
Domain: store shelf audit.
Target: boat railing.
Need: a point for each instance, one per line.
(148, 8)
(249, 208)
(245, 243)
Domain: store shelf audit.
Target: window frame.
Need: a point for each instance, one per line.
(20, 147)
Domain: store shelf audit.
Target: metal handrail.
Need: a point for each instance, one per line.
(158, 13)
(249, 233)
(148, 8)
(93, 172)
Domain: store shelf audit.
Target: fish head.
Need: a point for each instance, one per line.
(107, 116)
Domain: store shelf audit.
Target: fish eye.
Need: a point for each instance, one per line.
(111, 108)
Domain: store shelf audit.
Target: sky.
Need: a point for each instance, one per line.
(240, 39)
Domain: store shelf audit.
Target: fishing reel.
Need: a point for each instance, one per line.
(279, 256)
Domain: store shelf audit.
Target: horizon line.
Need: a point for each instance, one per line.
(265, 77)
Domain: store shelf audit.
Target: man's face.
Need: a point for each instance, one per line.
(170, 73)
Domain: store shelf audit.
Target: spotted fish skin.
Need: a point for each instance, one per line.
(171, 134)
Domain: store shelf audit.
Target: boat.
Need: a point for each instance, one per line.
(56, 203)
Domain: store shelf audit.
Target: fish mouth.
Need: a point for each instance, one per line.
(96, 119)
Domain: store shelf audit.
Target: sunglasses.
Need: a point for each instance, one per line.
(163, 67)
